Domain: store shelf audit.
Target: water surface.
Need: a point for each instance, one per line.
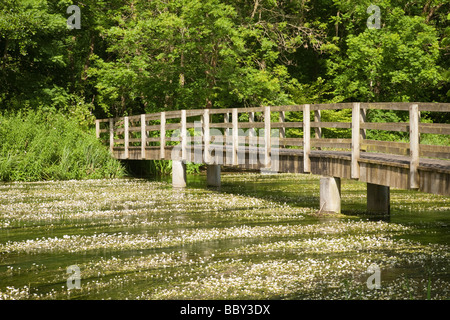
(258, 237)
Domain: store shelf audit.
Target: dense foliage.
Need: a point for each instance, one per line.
(133, 56)
(140, 56)
(48, 146)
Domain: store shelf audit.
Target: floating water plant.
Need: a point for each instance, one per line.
(257, 238)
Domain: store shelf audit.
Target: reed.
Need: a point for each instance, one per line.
(49, 146)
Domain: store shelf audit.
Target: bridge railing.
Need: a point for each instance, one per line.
(151, 136)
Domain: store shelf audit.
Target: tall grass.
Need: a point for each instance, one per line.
(46, 146)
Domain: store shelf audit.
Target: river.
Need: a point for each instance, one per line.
(257, 237)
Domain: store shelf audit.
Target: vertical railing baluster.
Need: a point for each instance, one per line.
(282, 129)
(317, 130)
(252, 141)
(126, 136)
(226, 119)
(97, 128)
(306, 138)
(414, 145)
(362, 118)
(111, 135)
(267, 142)
(206, 136)
(355, 140)
(143, 136)
(235, 132)
(183, 135)
(162, 137)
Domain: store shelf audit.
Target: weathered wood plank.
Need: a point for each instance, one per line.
(387, 126)
(287, 108)
(339, 125)
(183, 135)
(435, 128)
(239, 110)
(162, 137)
(291, 142)
(206, 136)
(331, 106)
(399, 106)
(317, 119)
(331, 143)
(226, 125)
(127, 135)
(286, 124)
(434, 107)
(356, 113)
(282, 119)
(173, 126)
(143, 136)
(97, 129)
(235, 135)
(435, 151)
(414, 145)
(306, 138)
(111, 135)
(400, 148)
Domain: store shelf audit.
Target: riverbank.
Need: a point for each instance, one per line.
(38, 146)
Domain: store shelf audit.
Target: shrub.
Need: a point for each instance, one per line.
(50, 146)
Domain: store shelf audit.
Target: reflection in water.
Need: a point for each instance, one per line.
(257, 237)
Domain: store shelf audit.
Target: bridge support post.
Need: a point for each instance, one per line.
(330, 194)
(178, 174)
(378, 199)
(213, 175)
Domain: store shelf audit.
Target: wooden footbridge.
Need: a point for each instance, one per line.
(262, 138)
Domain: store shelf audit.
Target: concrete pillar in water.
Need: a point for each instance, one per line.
(213, 175)
(330, 194)
(378, 199)
(178, 174)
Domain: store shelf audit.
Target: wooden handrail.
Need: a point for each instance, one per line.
(146, 129)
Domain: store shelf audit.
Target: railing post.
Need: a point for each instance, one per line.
(235, 140)
(97, 128)
(267, 142)
(126, 138)
(162, 135)
(306, 138)
(226, 119)
(355, 140)
(183, 135)
(206, 137)
(251, 119)
(414, 145)
(111, 135)
(252, 141)
(143, 136)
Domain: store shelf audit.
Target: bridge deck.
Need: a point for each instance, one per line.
(376, 168)
(207, 134)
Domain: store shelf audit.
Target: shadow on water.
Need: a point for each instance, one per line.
(283, 189)
(409, 208)
(141, 245)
